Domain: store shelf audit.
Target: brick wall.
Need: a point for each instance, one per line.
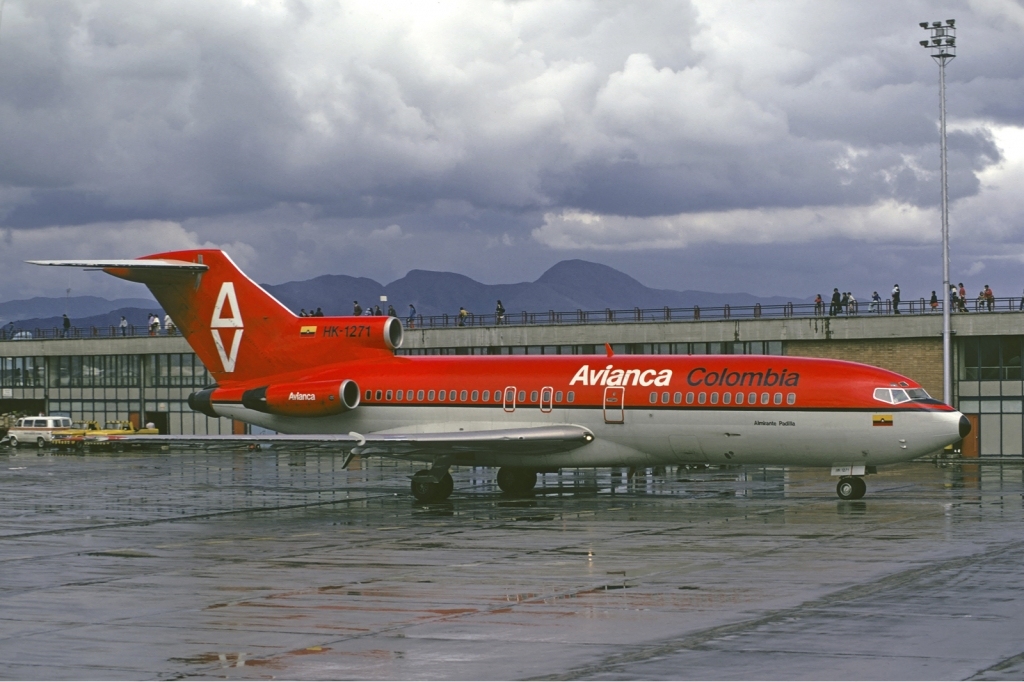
(919, 359)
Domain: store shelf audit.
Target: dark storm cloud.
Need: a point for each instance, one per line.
(338, 135)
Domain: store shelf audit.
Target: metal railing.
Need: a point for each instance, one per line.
(636, 315)
(15, 333)
(697, 313)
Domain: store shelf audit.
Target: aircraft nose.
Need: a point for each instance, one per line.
(965, 426)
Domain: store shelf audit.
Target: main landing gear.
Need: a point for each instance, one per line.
(851, 488)
(426, 487)
(516, 481)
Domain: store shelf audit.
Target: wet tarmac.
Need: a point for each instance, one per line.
(261, 565)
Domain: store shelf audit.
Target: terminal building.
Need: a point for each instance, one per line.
(148, 379)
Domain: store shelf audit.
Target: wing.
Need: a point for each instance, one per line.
(540, 440)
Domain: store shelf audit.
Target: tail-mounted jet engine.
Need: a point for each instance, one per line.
(299, 399)
(308, 399)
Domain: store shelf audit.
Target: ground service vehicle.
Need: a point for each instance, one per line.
(36, 430)
(96, 438)
(336, 382)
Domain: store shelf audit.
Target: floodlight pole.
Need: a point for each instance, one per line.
(943, 47)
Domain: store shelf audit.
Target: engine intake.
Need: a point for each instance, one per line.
(202, 401)
(308, 399)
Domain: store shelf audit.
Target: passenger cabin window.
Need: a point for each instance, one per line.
(369, 394)
(654, 397)
(558, 396)
(486, 396)
(441, 395)
(476, 396)
(378, 394)
(778, 399)
(752, 399)
(570, 396)
(430, 395)
(764, 398)
(389, 395)
(726, 398)
(522, 396)
(533, 396)
(664, 397)
(677, 398)
(689, 398)
(791, 399)
(714, 397)
(398, 395)
(463, 394)
(739, 398)
(702, 398)
(419, 394)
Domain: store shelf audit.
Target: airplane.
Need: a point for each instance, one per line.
(337, 382)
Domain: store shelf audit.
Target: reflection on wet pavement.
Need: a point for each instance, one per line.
(258, 565)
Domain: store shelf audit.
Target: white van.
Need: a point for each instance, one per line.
(38, 430)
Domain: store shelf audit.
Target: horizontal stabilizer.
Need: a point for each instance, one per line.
(133, 264)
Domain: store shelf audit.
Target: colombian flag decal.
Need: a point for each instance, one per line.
(307, 331)
(881, 420)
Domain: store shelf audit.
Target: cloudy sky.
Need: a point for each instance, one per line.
(778, 148)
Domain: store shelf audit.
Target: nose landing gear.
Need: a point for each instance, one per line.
(851, 488)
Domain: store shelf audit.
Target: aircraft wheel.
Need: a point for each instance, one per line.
(515, 481)
(862, 488)
(851, 488)
(447, 485)
(425, 490)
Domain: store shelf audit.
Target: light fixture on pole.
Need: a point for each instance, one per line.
(943, 46)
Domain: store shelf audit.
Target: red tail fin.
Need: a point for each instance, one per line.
(240, 332)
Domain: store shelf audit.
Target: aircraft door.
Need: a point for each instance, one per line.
(547, 400)
(508, 401)
(614, 401)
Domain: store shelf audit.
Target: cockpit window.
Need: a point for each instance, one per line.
(895, 396)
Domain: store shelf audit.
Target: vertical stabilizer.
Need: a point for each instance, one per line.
(238, 330)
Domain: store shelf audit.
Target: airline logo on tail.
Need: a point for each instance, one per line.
(227, 319)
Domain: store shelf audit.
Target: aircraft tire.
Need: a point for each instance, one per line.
(516, 481)
(862, 488)
(851, 488)
(447, 485)
(428, 491)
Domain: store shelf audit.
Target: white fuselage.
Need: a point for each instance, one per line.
(658, 435)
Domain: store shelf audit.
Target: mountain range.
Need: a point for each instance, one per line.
(566, 286)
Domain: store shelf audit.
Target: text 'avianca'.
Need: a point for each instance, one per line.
(609, 376)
